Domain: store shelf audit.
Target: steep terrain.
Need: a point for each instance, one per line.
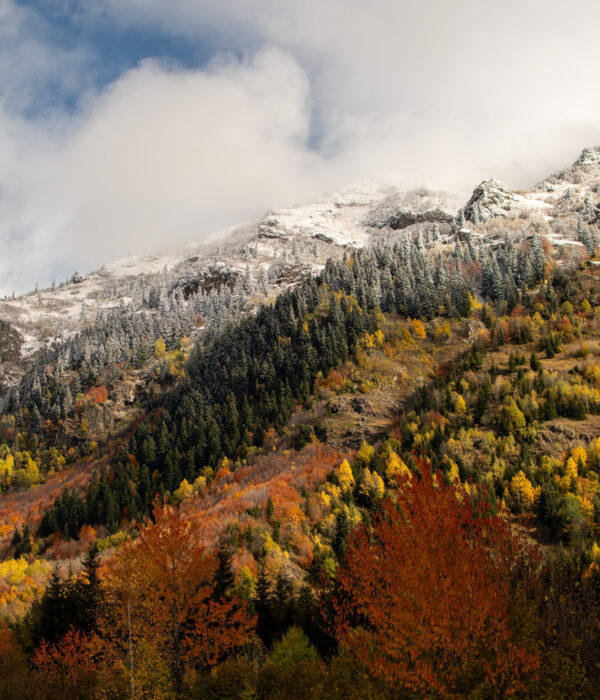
(278, 389)
(99, 331)
(281, 248)
(286, 245)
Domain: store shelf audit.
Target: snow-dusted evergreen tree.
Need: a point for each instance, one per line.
(538, 261)
(584, 236)
(471, 248)
(459, 254)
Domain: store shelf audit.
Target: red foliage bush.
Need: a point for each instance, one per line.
(98, 394)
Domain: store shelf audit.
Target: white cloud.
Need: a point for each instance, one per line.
(507, 86)
(161, 155)
(430, 92)
(34, 70)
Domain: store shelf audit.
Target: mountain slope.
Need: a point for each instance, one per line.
(283, 390)
(286, 245)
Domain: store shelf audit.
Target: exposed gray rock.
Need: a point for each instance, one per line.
(270, 228)
(403, 209)
(589, 156)
(211, 277)
(489, 199)
(403, 218)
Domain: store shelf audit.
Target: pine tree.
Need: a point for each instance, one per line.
(584, 236)
(24, 545)
(263, 608)
(538, 261)
(471, 247)
(88, 592)
(342, 528)
(282, 604)
(35, 423)
(270, 509)
(224, 578)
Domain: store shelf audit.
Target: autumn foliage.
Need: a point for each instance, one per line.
(163, 609)
(66, 669)
(13, 665)
(98, 394)
(423, 599)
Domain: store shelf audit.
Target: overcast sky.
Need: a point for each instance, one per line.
(128, 124)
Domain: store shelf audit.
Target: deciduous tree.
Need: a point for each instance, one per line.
(423, 598)
(66, 669)
(164, 583)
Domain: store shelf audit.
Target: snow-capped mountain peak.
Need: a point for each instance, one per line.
(257, 259)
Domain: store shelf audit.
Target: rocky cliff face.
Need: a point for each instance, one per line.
(400, 210)
(489, 199)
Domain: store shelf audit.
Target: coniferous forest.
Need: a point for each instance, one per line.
(256, 530)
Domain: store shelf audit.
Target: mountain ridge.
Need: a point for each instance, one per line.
(348, 219)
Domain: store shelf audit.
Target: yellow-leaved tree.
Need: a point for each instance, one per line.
(523, 491)
(460, 406)
(365, 453)
(372, 484)
(345, 477)
(396, 469)
(418, 328)
(160, 348)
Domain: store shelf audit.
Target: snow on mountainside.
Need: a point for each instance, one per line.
(399, 210)
(297, 241)
(281, 248)
(288, 244)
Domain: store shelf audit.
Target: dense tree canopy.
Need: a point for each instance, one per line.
(434, 557)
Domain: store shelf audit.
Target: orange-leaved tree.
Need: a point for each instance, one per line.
(423, 596)
(67, 669)
(163, 610)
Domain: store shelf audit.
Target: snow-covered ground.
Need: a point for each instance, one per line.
(303, 237)
(335, 222)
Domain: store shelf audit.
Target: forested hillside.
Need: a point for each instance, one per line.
(383, 481)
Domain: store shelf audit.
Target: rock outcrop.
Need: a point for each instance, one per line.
(489, 199)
